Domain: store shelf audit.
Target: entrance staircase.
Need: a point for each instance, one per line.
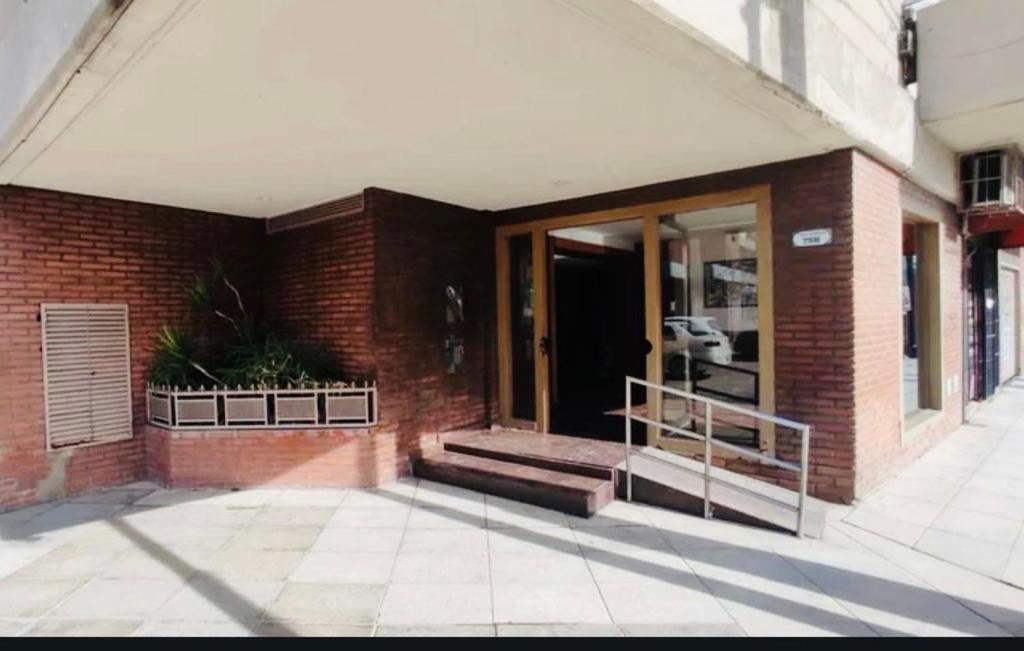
(580, 476)
(572, 475)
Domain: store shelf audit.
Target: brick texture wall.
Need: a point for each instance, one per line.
(813, 290)
(247, 457)
(58, 247)
(371, 287)
(320, 288)
(836, 352)
(882, 445)
(422, 248)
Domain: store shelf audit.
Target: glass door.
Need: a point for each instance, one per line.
(710, 290)
(677, 293)
(522, 306)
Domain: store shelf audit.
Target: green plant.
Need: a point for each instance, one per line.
(266, 362)
(255, 357)
(216, 295)
(175, 360)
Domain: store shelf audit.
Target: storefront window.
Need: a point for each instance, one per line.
(922, 354)
(910, 307)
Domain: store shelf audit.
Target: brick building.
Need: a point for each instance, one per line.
(743, 237)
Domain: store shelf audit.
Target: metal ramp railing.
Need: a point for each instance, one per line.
(710, 405)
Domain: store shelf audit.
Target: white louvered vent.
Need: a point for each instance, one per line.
(86, 373)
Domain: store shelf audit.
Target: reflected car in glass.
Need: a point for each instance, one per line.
(693, 337)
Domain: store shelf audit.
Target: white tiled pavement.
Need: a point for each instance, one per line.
(963, 500)
(418, 558)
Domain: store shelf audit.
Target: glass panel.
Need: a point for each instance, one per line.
(709, 306)
(911, 358)
(521, 322)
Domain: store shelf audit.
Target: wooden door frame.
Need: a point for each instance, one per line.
(650, 213)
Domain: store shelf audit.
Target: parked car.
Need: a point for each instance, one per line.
(696, 338)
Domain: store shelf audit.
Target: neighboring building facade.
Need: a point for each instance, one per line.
(972, 97)
(735, 198)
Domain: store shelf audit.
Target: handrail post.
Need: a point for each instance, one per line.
(805, 439)
(707, 459)
(629, 439)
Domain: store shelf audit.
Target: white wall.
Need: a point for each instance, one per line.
(971, 57)
(841, 59)
(671, 88)
(971, 71)
(35, 37)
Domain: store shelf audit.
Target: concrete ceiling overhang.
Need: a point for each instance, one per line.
(971, 78)
(259, 108)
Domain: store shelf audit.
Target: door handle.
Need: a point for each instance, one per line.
(544, 345)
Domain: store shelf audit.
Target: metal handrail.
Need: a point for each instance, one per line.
(709, 441)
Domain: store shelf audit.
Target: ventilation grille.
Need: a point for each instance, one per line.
(86, 373)
(331, 210)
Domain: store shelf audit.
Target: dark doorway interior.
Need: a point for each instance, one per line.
(983, 297)
(599, 337)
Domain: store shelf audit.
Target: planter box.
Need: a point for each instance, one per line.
(340, 406)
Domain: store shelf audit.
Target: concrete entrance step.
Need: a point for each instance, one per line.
(498, 450)
(561, 472)
(568, 492)
(672, 481)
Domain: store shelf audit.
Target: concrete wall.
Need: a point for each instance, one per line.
(838, 55)
(781, 36)
(971, 81)
(39, 40)
(970, 57)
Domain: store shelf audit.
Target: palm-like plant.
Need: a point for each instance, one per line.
(175, 360)
(254, 358)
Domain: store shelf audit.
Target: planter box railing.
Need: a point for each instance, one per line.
(335, 406)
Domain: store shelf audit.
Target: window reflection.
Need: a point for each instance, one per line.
(521, 303)
(710, 313)
(911, 358)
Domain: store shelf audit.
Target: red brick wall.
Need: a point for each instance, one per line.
(57, 247)
(422, 247)
(371, 288)
(835, 365)
(319, 289)
(882, 446)
(318, 457)
(813, 293)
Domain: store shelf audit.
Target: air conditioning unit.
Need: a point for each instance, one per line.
(992, 181)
